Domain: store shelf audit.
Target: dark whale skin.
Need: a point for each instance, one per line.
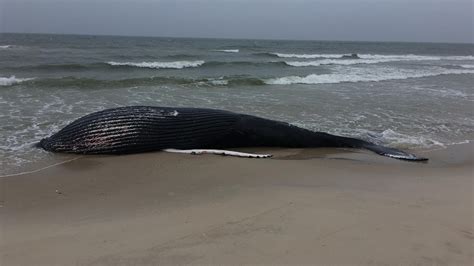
(136, 129)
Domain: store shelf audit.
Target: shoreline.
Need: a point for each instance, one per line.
(311, 153)
(325, 206)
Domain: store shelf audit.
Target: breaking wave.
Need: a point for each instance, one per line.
(152, 65)
(365, 76)
(12, 80)
(228, 50)
(336, 62)
(307, 56)
(173, 65)
(357, 75)
(181, 64)
(243, 63)
(88, 83)
(5, 46)
(408, 57)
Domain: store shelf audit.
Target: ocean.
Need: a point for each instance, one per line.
(405, 95)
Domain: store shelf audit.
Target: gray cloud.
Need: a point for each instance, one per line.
(382, 20)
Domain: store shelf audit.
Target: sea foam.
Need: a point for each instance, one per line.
(379, 74)
(393, 138)
(308, 56)
(405, 57)
(174, 64)
(400, 140)
(12, 80)
(336, 62)
(228, 51)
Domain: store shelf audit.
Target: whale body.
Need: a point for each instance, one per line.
(136, 129)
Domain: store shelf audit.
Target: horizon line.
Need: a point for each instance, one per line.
(235, 38)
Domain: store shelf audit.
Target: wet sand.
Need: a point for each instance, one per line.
(316, 206)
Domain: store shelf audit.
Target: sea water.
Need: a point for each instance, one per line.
(403, 95)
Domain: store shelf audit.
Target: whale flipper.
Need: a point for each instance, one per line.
(220, 152)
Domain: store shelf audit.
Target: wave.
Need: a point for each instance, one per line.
(12, 80)
(307, 56)
(407, 57)
(180, 56)
(231, 82)
(246, 81)
(104, 83)
(356, 75)
(190, 64)
(459, 57)
(5, 46)
(364, 76)
(172, 65)
(88, 83)
(335, 62)
(243, 63)
(265, 54)
(112, 65)
(364, 59)
(399, 140)
(412, 57)
(228, 51)
(59, 67)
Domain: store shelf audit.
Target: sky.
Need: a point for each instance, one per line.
(347, 20)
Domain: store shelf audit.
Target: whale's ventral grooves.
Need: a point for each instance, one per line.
(135, 129)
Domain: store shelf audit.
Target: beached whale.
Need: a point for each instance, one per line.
(135, 129)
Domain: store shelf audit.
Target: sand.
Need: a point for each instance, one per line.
(315, 206)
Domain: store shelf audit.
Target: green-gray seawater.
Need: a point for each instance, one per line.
(404, 95)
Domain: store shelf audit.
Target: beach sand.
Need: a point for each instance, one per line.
(316, 206)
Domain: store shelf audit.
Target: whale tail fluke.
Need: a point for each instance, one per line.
(392, 153)
(347, 142)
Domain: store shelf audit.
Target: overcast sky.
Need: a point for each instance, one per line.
(365, 20)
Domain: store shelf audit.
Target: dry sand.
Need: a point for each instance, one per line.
(313, 206)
